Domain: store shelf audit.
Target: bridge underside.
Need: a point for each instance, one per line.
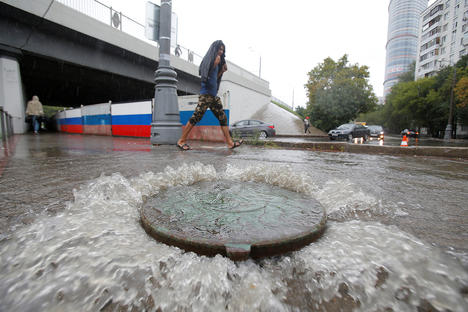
(68, 68)
(63, 84)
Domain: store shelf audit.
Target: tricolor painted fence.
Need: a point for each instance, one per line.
(97, 119)
(60, 118)
(208, 128)
(134, 119)
(72, 123)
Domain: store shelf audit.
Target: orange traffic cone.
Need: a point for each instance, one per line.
(404, 141)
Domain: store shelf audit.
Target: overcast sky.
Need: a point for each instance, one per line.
(291, 37)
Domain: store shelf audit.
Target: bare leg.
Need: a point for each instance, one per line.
(185, 133)
(227, 136)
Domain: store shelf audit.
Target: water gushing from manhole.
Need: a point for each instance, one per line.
(96, 255)
(237, 219)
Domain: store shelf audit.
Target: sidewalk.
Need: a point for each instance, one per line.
(390, 146)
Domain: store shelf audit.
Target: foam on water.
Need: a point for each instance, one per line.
(344, 199)
(95, 254)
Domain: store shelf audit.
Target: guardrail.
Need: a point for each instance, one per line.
(120, 21)
(6, 124)
(107, 15)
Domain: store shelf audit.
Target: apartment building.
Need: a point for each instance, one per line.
(443, 36)
(402, 38)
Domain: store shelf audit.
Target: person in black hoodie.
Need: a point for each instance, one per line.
(211, 71)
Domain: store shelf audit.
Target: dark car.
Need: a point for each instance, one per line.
(376, 132)
(410, 133)
(349, 132)
(251, 127)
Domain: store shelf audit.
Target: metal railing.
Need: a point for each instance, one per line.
(6, 124)
(187, 55)
(120, 21)
(107, 15)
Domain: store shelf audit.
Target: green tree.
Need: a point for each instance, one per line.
(425, 102)
(338, 92)
(415, 104)
(301, 111)
(461, 92)
(375, 117)
(408, 75)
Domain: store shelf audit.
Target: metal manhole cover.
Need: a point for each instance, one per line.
(235, 219)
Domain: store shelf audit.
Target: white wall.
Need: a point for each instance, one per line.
(244, 102)
(11, 92)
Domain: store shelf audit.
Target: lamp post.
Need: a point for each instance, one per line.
(165, 126)
(449, 129)
(254, 51)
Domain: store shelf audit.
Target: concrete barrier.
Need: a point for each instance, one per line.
(60, 118)
(208, 128)
(132, 119)
(431, 151)
(72, 122)
(97, 119)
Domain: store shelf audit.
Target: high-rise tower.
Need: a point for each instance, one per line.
(443, 36)
(402, 38)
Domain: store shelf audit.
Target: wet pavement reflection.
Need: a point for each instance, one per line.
(70, 236)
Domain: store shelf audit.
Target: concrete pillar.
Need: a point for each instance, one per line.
(11, 92)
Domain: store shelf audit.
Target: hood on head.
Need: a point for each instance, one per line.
(207, 62)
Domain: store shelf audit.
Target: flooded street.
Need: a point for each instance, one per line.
(71, 238)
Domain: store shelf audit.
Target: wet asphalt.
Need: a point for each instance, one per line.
(391, 195)
(38, 174)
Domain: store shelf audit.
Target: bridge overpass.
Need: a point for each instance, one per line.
(70, 59)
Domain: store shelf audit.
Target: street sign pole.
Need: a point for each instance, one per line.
(165, 126)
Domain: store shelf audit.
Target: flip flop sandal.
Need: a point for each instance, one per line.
(237, 144)
(184, 147)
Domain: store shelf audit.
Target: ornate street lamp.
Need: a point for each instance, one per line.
(449, 128)
(165, 126)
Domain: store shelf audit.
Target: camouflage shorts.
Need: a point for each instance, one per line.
(206, 101)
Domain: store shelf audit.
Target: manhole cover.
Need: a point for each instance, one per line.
(235, 219)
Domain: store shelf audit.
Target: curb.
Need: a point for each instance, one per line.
(433, 151)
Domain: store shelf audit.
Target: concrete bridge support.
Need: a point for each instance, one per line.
(11, 92)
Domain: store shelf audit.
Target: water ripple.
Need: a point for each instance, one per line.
(95, 255)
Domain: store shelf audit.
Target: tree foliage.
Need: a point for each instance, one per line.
(338, 92)
(301, 111)
(425, 102)
(408, 75)
(461, 92)
(415, 104)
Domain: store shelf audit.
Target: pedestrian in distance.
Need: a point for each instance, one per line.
(178, 51)
(211, 71)
(34, 111)
(190, 56)
(306, 124)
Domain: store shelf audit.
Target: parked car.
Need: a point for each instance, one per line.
(410, 133)
(349, 132)
(376, 132)
(251, 127)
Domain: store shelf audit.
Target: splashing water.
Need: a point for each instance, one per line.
(95, 255)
